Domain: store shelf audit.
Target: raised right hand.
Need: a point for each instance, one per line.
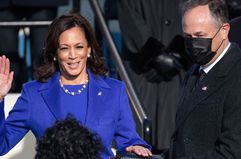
(6, 77)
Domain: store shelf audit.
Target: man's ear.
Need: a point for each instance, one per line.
(225, 30)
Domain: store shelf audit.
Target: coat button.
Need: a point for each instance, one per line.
(187, 141)
(167, 22)
(174, 137)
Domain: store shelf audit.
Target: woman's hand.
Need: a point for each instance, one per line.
(6, 77)
(139, 150)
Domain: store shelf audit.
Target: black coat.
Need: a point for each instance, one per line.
(235, 32)
(141, 19)
(208, 121)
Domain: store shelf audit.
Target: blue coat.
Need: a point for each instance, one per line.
(38, 107)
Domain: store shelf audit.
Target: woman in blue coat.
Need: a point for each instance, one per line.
(71, 80)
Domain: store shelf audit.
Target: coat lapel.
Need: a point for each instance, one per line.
(50, 93)
(213, 80)
(188, 83)
(96, 97)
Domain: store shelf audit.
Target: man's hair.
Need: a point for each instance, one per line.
(67, 139)
(218, 8)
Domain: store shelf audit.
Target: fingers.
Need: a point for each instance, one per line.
(4, 65)
(10, 78)
(139, 150)
(148, 152)
(144, 152)
(7, 66)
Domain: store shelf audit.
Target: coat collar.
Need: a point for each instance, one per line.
(50, 92)
(209, 85)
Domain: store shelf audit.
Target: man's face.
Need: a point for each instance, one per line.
(198, 23)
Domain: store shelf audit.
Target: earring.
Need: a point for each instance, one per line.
(55, 59)
(88, 55)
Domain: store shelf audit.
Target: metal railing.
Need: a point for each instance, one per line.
(24, 23)
(146, 125)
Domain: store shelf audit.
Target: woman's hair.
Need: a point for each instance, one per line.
(58, 26)
(67, 139)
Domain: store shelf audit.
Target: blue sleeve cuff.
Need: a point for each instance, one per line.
(2, 116)
(2, 102)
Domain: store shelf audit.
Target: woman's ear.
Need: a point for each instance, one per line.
(89, 52)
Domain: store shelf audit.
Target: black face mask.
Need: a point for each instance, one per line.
(200, 49)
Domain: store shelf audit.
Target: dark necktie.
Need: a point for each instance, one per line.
(201, 74)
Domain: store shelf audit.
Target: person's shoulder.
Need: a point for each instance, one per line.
(112, 82)
(237, 71)
(234, 76)
(32, 85)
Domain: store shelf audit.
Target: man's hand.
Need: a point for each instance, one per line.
(139, 150)
(6, 77)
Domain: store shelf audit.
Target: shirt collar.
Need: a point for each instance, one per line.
(208, 68)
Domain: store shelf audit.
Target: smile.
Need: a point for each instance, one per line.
(73, 65)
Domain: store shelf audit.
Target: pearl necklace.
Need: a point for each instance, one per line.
(74, 93)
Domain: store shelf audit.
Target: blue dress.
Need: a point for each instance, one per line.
(70, 103)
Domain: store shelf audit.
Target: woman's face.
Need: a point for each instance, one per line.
(72, 53)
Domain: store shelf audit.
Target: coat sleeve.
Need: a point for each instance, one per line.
(133, 26)
(125, 134)
(14, 128)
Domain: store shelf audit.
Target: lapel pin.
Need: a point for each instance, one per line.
(204, 88)
(100, 93)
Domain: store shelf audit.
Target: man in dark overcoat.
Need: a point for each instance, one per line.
(208, 120)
